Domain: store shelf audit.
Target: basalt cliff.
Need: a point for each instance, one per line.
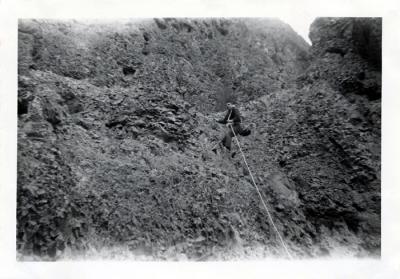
(116, 121)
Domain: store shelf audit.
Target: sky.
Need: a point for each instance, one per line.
(300, 24)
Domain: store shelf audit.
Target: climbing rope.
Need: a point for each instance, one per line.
(259, 193)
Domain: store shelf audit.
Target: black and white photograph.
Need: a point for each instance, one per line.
(198, 139)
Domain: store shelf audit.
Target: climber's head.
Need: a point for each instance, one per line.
(230, 105)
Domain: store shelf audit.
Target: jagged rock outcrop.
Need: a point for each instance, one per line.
(116, 122)
(345, 79)
(204, 61)
(349, 54)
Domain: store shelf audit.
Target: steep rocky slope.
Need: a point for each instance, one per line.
(116, 122)
(204, 61)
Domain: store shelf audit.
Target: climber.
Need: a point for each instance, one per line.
(231, 119)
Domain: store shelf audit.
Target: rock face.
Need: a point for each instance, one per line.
(116, 123)
(349, 52)
(204, 61)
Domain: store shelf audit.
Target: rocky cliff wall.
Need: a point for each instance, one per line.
(204, 61)
(116, 122)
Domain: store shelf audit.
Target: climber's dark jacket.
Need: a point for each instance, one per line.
(234, 115)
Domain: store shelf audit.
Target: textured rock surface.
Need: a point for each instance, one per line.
(204, 61)
(116, 122)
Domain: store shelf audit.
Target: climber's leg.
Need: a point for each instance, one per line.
(227, 140)
(237, 129)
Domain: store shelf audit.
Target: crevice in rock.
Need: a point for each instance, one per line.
(23, 105)
(128, 71)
